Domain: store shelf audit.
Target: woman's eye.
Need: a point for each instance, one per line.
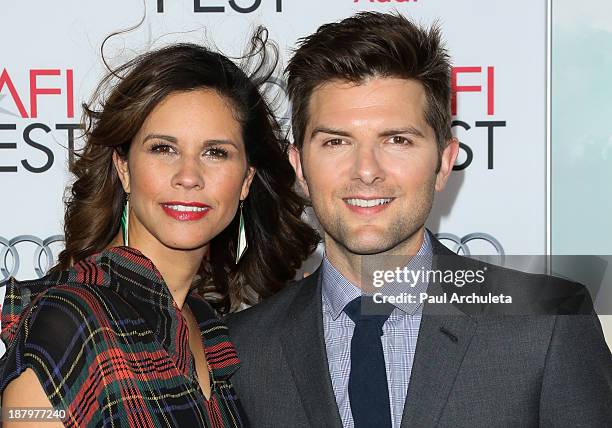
(397, 139)
(216, 152)
(162, 149)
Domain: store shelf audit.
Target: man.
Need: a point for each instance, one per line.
(371, 125)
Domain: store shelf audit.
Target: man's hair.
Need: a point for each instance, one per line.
(372, 44)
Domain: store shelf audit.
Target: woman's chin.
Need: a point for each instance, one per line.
(186, 245)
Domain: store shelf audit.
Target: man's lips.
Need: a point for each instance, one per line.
(367, 205)
(185, 211)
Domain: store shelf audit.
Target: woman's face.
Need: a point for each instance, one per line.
(186, 172)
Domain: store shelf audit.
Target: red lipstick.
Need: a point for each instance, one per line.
(186, 211)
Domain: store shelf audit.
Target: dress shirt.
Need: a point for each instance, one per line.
(399, 339)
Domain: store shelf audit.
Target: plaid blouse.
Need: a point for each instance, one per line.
(111, 348)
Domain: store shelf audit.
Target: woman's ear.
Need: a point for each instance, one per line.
(246, 184)
(123, 171)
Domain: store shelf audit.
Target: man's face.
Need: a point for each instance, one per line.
(369, 162)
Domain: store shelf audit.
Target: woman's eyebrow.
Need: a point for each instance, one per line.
(213, 142)
(168, 138)
(171, 139)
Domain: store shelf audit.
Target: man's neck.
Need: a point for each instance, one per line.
(349, 264)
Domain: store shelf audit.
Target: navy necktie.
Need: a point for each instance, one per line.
(367, 388)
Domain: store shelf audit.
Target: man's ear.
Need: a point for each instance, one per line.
(447, 161)
(121, 166)
(246, 184)
(296, 161)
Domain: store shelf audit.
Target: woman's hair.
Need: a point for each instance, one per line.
(278, 239)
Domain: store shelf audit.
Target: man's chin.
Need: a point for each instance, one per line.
(374, 241)
(367, 247)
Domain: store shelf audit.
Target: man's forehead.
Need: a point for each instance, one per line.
(380, 97)
(369, 81)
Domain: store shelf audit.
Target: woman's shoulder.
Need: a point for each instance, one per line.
(90, 287)
(50, 307)
(48, 324)
(52, 328)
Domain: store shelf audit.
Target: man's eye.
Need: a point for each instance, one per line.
(216, 152)
(397, 139)
(162, 149)
(334, 142)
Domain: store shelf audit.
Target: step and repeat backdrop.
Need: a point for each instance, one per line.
(51, 60)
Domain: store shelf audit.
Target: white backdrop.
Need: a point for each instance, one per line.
(50, 62)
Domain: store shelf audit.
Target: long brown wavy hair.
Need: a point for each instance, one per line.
(279, 241)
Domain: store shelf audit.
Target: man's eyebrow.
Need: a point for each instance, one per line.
(409, 130)
(327, 130)
(168, 138)
(387, 133)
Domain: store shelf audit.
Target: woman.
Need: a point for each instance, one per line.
(118, 334)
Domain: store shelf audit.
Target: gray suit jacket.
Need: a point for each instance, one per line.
(472, 368)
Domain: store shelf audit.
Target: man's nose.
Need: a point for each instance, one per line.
(367, 166)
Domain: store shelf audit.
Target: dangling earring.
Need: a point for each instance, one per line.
(242, 244)
(125, 221)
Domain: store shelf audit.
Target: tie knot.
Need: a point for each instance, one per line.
(363, 308)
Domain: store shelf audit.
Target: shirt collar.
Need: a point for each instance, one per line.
(338, 291)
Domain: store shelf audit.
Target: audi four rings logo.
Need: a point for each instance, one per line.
(42, 247)
(461, 244)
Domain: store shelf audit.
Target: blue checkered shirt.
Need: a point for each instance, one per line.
(399, 339)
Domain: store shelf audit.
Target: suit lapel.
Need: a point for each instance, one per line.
(441, 346)
(444, 337)
(304, 349)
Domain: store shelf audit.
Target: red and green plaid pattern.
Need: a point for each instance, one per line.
(110, 346)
